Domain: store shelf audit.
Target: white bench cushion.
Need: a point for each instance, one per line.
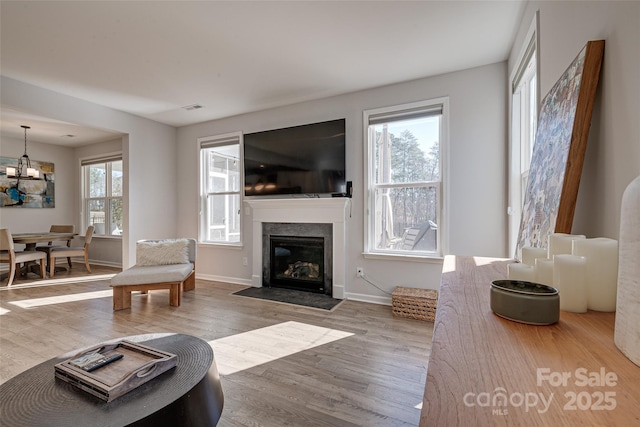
(138, 275)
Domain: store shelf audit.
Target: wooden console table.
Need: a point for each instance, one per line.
(488, 371)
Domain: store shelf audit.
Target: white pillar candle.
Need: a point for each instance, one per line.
(569, 278)
(602, 271)
(519, 271)
(530, 254)
(544, 271)
(560, 243)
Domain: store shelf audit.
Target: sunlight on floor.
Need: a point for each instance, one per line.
(60, 299)
(418, 406)
(246, 350)
(4, 311)
(60, 281)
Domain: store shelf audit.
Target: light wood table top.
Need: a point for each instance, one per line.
(488, 371)
(31, 239)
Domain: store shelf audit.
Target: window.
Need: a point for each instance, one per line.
(404, 149)
(102, 195)
(524, 120)
(220, 185)
(525, 95)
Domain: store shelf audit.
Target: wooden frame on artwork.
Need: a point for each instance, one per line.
(558, 153)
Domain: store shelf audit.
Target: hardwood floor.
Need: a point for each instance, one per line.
(369, 368)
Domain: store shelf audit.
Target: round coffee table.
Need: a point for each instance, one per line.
(187, 395)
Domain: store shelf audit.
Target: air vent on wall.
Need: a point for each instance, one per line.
(192, 107)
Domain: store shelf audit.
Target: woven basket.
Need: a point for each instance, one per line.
(414, 303)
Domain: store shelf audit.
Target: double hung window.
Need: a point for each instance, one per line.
(404, 146)
(220, 186)
(102, 195)
(524, 119)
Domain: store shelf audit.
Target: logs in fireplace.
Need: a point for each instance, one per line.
(297, 263)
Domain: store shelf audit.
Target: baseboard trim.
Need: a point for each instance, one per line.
(225, 279)
(373, 299)
(63, 261)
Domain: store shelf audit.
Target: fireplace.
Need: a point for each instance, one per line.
(297, 256)
(297, 263)
(329, 214)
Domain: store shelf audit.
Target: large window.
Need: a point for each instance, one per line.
(524, 120)
(525, 95)
(405, 179)
(102, 195)
(220, 186)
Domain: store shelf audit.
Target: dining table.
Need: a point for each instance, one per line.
(30, 240)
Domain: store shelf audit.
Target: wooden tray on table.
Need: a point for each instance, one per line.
(138, 365)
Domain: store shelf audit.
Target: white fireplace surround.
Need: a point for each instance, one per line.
(303, 210)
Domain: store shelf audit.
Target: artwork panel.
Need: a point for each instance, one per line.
(555, 137)
(27, 192)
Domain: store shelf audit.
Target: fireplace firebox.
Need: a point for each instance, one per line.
(298, 256)
(297, 263)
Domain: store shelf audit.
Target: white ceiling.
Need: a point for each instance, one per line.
(151, 58)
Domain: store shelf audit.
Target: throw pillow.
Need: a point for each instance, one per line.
(162, 252)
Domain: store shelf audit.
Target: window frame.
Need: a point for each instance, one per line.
(412, 109)
(522, 132)
(85, 163)
(226, 139)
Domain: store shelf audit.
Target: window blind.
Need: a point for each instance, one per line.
(101, 159)
(522, 67)
(406, 114)
(216, 142)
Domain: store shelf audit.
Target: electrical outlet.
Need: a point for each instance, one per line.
(359, 272)
(245, 261)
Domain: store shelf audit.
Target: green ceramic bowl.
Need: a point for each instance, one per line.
(525, 302)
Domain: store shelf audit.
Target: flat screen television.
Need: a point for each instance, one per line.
(306, 160)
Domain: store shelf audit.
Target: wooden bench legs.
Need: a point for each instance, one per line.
(190, 282)
(122, 293)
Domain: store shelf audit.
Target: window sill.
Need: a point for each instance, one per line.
(432, 259)
(235, 246)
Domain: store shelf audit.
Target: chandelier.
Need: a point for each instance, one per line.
(24, 163)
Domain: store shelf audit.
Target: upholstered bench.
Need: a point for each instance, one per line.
(160, 264)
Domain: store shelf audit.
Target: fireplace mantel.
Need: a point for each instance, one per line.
(303, 210)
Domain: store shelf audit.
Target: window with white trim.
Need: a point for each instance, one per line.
(220, 185)
(404, 198)
(102, 195)
(525, 95)
(524, 121)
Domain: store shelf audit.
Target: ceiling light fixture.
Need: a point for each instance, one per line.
(23, 163)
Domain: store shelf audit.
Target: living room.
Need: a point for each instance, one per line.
(161, 190)
(477, 190)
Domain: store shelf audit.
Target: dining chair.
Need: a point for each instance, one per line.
(67, 252)
(9, 255)
(58, 229)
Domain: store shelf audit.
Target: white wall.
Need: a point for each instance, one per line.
(476, 172)
(613, 150)
(149, 150)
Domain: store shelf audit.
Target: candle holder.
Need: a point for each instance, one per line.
(525, 302)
